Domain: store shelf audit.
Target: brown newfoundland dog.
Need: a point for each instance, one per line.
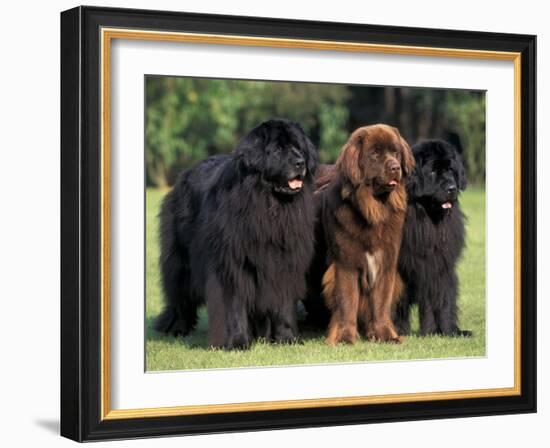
(363, 209)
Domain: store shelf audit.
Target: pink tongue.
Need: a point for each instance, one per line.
(447, 205)
(392, 182)
(295, 183)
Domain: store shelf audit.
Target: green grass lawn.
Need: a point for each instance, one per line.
(192, 352)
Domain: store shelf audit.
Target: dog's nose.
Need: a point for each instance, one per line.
(299, 163)
(394, 167)
(451, 189)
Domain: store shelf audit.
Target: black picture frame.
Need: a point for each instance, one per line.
(81, 382)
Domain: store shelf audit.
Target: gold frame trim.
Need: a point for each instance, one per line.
(107, 35)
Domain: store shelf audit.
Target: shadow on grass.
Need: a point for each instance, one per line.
(198, 338)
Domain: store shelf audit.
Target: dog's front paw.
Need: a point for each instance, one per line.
(238, 341)
(463, 333)
(342, 333)
(285, 335)
(384, 332)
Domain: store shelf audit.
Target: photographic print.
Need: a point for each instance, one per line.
(253, 205)
(271, 223)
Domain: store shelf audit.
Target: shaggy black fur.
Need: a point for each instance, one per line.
(237, 233)
(433, 239)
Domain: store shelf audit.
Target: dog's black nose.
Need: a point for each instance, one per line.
(451, 189)
(299, 163)
(394, 167)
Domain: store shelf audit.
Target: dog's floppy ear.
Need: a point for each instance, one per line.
(251, 148)
(349, 161)
(454, 147)
(312, 159)
(462, 182)
(407, 157)
(454, 139)
(415, 179)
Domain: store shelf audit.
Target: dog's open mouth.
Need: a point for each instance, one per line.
(296, 183)
(447, 205)
(384, 185)
(292, 186)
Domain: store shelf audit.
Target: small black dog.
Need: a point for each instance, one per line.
(237, 232)
(433, 240)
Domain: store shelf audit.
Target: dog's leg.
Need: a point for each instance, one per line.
(237, 324)
(228, 321)
(262, 326)
(401, 315)
(382, 296)
(215, 305)
(446, 315)
(344, 304)
(284, 323)
(402, 310)
(179, 316)
(428, 324)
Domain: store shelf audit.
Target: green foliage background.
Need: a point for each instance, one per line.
(188, 119)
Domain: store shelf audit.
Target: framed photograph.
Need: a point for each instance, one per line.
(272, 223)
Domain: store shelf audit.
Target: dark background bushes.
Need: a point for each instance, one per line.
(188, 119)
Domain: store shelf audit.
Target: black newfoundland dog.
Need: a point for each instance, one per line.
(237, 233)
(433, 239)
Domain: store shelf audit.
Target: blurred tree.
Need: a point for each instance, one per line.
(465, 116)
(421, 113)
(334, 132)
(188, 119)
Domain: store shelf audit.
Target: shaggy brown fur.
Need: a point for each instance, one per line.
(363, 211)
